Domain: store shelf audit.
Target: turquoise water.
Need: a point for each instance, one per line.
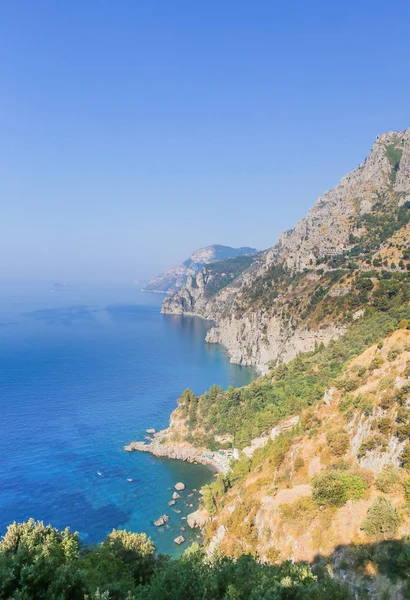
(83, 371)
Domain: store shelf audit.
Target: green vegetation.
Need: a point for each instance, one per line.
(338, 441)
(296, 297)
(39, 562)
(382, 520)
(394, 155)
(332, 487)
(247, 412)
(273, 453)
(388, 479)
(224, 272)
(405, 457)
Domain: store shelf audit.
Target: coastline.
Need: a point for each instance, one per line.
(259, 368)
(160, 446)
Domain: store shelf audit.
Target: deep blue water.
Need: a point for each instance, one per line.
(82, 372)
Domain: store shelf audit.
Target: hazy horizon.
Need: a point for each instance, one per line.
(134, 133)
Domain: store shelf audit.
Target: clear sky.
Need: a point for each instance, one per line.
(133, 131)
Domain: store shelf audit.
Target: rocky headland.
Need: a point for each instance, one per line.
(175, 278)
(163, 446)
(267, 311)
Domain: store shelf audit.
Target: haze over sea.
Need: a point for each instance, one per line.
(83, 371)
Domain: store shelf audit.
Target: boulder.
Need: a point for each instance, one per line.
(175, 496)
(179, 540)
(161, 521)
(171, 503)
(197, 518)
(179, 486)
(151, 431)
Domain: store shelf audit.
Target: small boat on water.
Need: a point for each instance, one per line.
(129, 480)
(98, 473)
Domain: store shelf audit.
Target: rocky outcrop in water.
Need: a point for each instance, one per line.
(163, 446)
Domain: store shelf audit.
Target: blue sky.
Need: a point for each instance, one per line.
(133, 132)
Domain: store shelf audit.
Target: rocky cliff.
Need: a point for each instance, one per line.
(173, 279)
(303, 290)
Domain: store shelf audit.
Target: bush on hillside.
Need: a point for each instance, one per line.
(405, 456)
(334, 487)
(354, 485)
(388, 479)
(382, 520)
(328, 489)
(406, 486)
(338, 442)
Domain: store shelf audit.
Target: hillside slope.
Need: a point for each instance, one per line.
(324, 470)
(174, 278)
(326, 486)
(308, 288)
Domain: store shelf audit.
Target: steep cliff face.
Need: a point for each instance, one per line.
(173, 279)
(269, 311)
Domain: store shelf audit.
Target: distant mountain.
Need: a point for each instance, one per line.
(173, 279)
(320, 276)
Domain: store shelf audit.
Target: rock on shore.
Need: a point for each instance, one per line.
(198, 518)
(161, 521)
(162, 447)
(179, 540)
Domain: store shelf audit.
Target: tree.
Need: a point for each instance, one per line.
(39, 561)
(382, 520)
(134, 549)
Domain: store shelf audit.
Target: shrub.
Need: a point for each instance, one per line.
(134, 549)
(354, 485)
(328, 489)
(366, 404)
(403, 415)
(365, 474)
(346, 404)
(299, 463)
(371, 443)
(387, 479)
(385, 425)
(403, 431)
(405, 456)
(406, 486)
(382, 520)
(376, 362)
(338, 442)
(393, 354)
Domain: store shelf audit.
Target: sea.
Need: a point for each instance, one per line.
(85, 369)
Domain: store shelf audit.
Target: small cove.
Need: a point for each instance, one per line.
(82, 373)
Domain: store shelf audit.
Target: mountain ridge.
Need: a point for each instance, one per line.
(174, 278)
(347, 225)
